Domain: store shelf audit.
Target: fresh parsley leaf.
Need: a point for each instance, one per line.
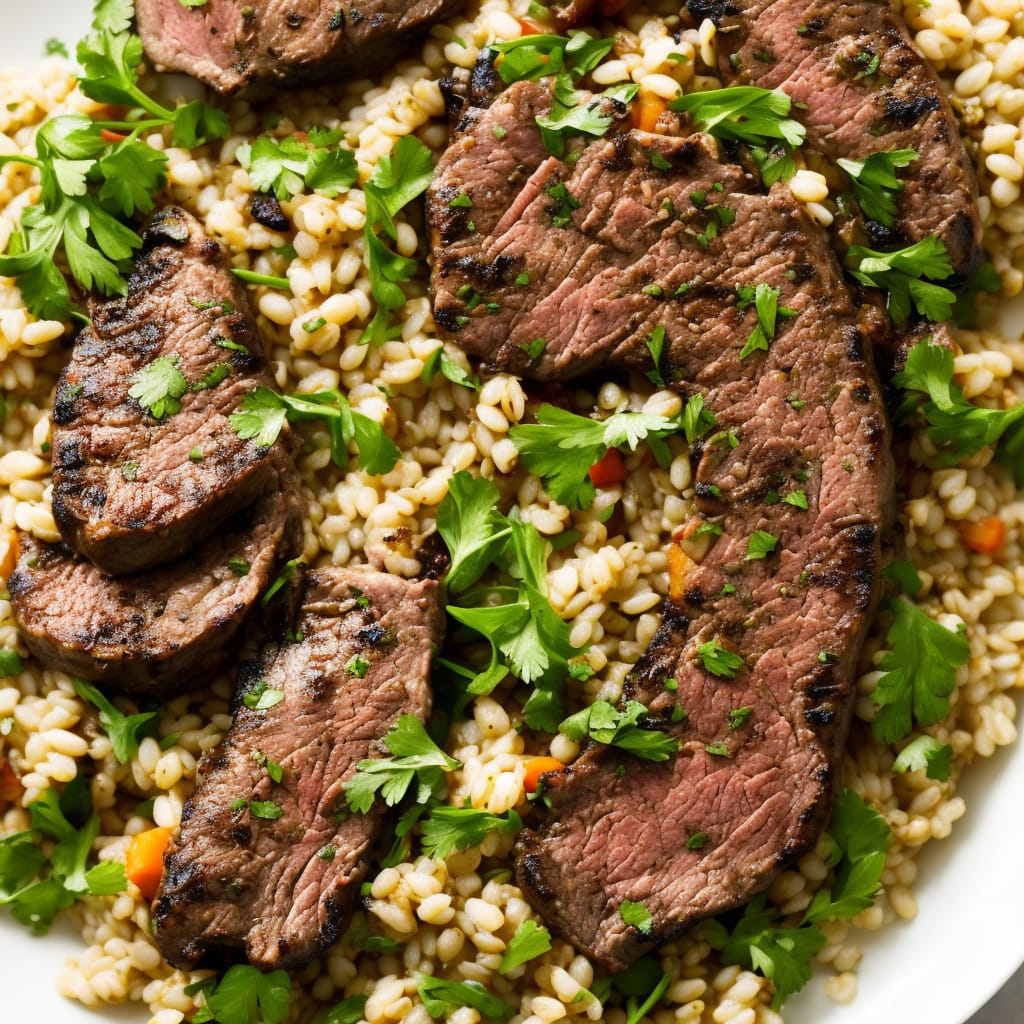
(472, 527)
(438, 360)
(244, 995)
(563, 446)
(397, 180)
(909, 276)
(260, 697)
(263, 414)
(537, 56)
(719, 660)
(928, 754)
(35, 888)
(655, 342)
(637, 916)
(158, 386)
(572, 114)
(348, 1011)
(440, 997)
(743, 113)
(955, 426)
(875, 183)
(125, 731)
(10, 663)
(919, 672)
(530, 941)
(604, 723)
(458, 828)
(288, 167)
(765, 299)
(782, 955)
(416, 758)
(860, 838)
(760, 544)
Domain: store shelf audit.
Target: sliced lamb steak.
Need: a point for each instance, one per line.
(666, 236)
(280, 889)
(862, 89)
(227, 45)
(165, 630)
(130, 490)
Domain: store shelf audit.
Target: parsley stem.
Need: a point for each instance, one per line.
(19, 159)
(251, 277)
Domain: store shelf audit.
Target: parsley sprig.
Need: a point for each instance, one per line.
(447, 829)
(743, 113)
(567, 59)
(95, 175)
(604, 723)
(310, 162)
(440, 997)
(783, 953)
(36, 886)
(397, 180)
(909, 276)
(243, 995)
(525, 634)
(919, 671)
(264, 412)
(956, 427)
(562, 446)
(875, 183)
(416, 758)
(125, 731)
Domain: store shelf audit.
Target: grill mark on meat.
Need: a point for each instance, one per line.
(232, 882)
(607, 835)
(128, 493)
(162, 631)
(850, 113)
(266, 44)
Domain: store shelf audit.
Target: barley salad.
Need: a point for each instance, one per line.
(607, 586)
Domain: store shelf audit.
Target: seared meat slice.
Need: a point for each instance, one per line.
(861, 88)
(227, 45)
(794, 485)
(133, 488)
(162, 631)
(273, 867)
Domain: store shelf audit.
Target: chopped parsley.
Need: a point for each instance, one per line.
(530, 941)
(158, 386)
(928, 754)
(440, 997)
(760, 544)
(637, 916)
(260, 697)
(743, 113)
(243, 995)
(765, 299)
(719, 660)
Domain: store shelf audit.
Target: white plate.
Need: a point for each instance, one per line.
(965, 942)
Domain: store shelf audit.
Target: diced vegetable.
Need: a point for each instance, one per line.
(985, 536)
(609, 469)
(679, 563)
(647, 109)
(144, 862)
(536, 767)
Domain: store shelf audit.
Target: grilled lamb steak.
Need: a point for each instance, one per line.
(165, 630)
(227, 45)
(131, 489)
(862, 89)
(795, 480)
(352, 656)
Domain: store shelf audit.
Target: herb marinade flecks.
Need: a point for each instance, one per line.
(461, 918)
